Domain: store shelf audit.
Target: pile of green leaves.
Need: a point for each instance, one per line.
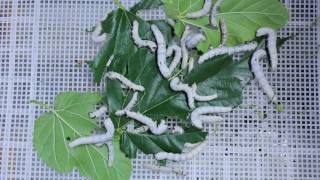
(68, 119)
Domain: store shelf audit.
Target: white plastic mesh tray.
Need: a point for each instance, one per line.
(41, 39)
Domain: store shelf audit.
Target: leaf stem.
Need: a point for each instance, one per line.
(41, 105)
(119, 4)
(177, 74)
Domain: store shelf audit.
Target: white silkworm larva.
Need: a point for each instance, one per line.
(191, 64)
(183, 156)
(210, 119)
(161, 128)
(202, 12)
(97, 36)
(116, 76)
(224, 32)
(132, 102)
(164, 169)
(140, 42)
(214, 12)
(130, 105)
(110, 60)
(202, 98)
(176, 85)
(141, 129)
(99, 144)
(97, 30)
(194, 39)
(171, 22)
(198, 112)
(227, 50)
(109, 126)
(161, 51)
(177, 130)
(191, 145)
(98, 113)
(257, 71)
(272, 45)
(177, 57)
(130, 126)
(96, 139)
(110, 153)
(100, 38)
(190, 92)
(184, 50)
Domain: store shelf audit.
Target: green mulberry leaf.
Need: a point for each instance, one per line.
(221, 75)
(242, 19)
(151, 144)
(146, 4)
(67, 121)
(119, 43)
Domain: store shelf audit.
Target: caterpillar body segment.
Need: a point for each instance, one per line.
(272, 45)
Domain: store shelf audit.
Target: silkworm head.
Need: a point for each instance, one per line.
(153, 48)
(259, 54)
(197, 123)
(92, 115)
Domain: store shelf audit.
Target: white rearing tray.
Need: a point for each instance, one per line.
(41, 39)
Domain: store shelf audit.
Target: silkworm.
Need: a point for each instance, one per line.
(130, 126)
(177, 57)
(202, 12)
(164, 169)
(258, 73)
(214, 12)
(196, 114)
(132, 102)
(96, 139)
(190, 92)
(97, 36)
(129, 84)
(97, 30)
(176, 85)
(183, 156)
(210, 119)
(171, 22)
(161, 51)
(108, 124)
(194, 39)
(227, 50)
(130, 105)
(202, 98)
(110, 60)
(99, 144)
(191, 64)
(110, 153)
(224, 32)
(141, 129)
(191, 145)
(161, 128)
(140, 42)
(98, 113)
(177, 130)
(131, 129)
(272, 45)
(184, 50)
